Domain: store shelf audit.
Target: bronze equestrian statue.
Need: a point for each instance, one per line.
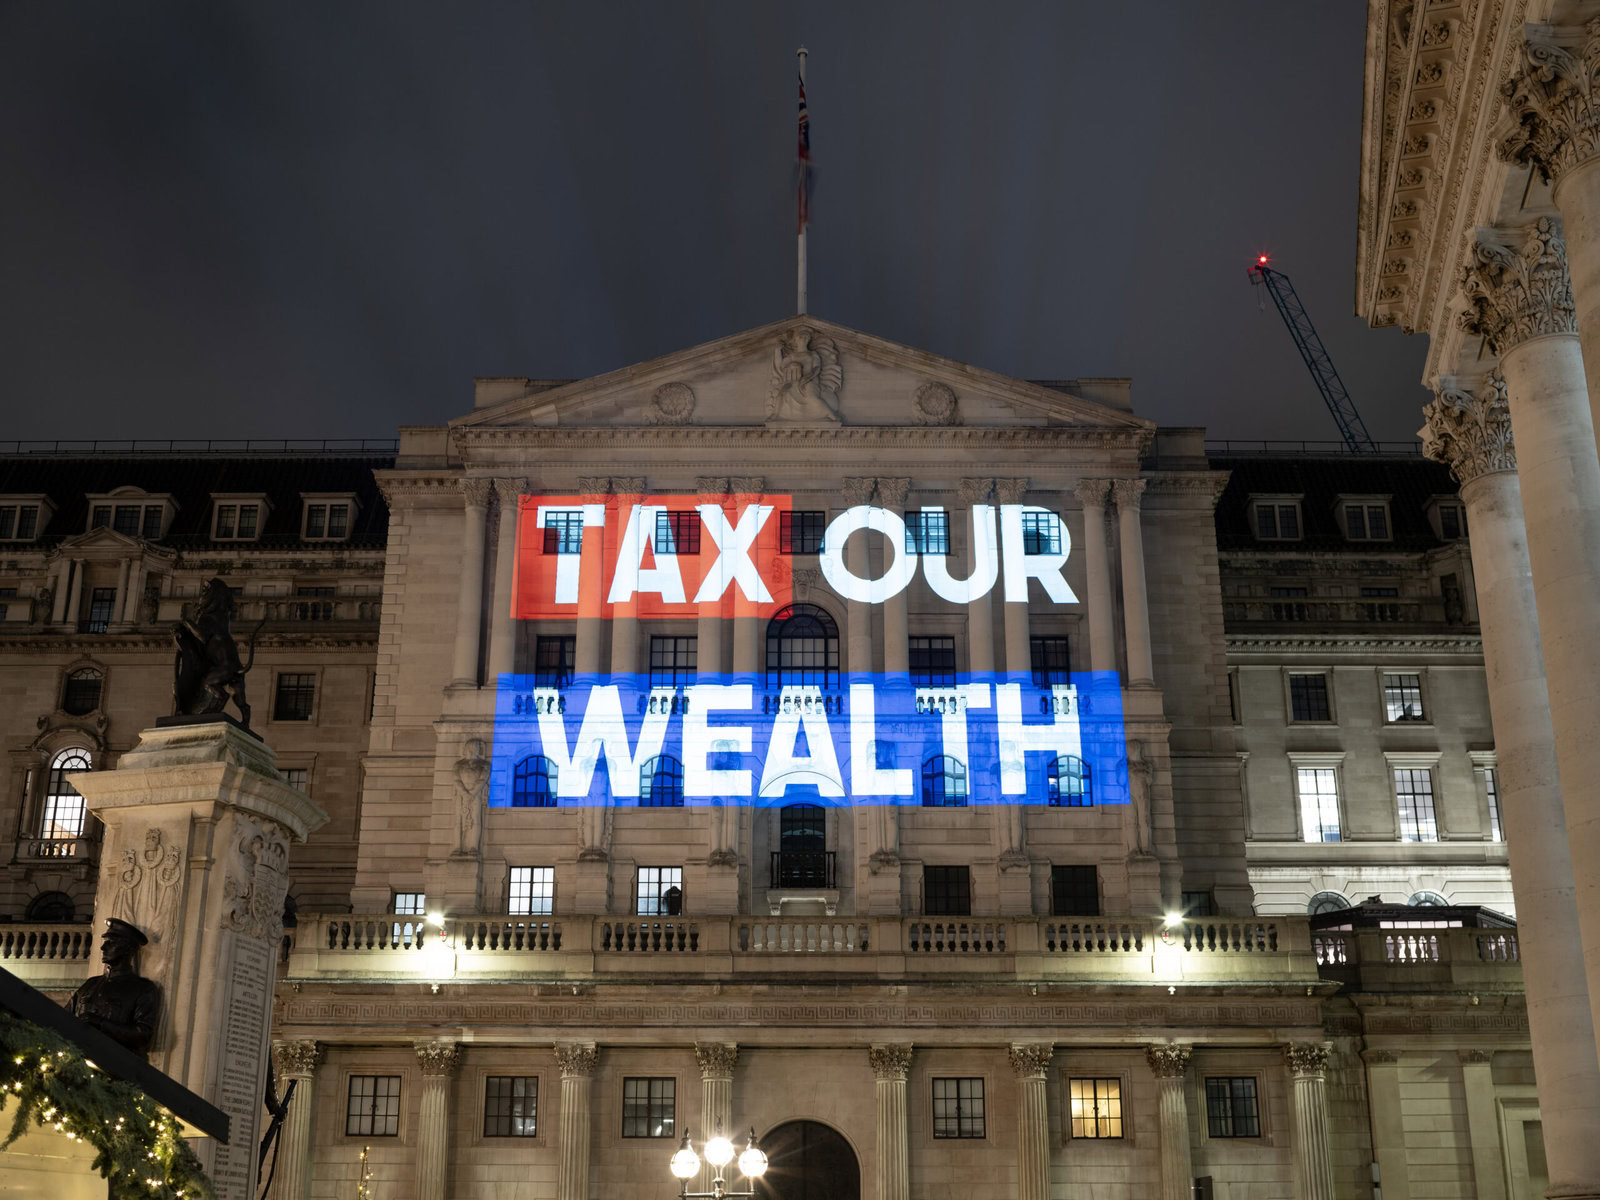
(208, 670)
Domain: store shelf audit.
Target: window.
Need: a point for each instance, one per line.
(944, 782)
(1326, 902)
(1282, 611)
(563, 532)
(958, 1108)
(374, 1107)
(125, 520)
(1041, 533)
(533, 783)
(1378, 611)
(802, 860)
(661, 783)
(51, 906)
(1197, 904)
(801, 532)
(1075, 891)
(928, 532)
(672, 661)
(64, 813)
(100, 517)
(327, 522)
(649, 1107)
(1428, 900)
(102, 603)
(1277, 522)
(410, 904)
(6, 593)
(1366, 522)
(802, 648)
(295, 695)
(946, 891)
(933, 661)
(313, 603)
(1066, 782)
(81, 695)
(553, 658)
(297, 777)
(1308, 698)
(1231, 1107)
(150, 528)
(510, 1106)
(1452, 520)
(1050, 661)
(236, 522)
(533, 891)
(658, 892)
(1402, 697)
(1096, 1107)
(1413, 789)
(1319, 803)
(677, 533)
(1491, 785)
(19, 522)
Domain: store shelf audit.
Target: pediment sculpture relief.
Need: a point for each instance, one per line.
(671, 404)
(935, 404)
(806, 378)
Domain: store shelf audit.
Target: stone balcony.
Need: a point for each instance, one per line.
(1420, 960)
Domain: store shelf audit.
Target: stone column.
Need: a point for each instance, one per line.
(592, 583)
(438, 1061)
(1135, 603)
(1520, 302)
(121, 599)
(1170, 1065)
(1469, 428)
(749, 630)
(1483, 1125)
(469, 593)
(1031, 1062)
(61, 579)
(625, 614)
(896, 632)
(577, 1061)
(135, 588)
(1313, 1152)
(1388, 1123)
(502, 626)
(1015, 887)
(75, 594)
(1019, 657)
(890, 1064)
(980, 616)
(709, 489)
(717, 1060)
(1091, 494)
(295, 1062)
(858, 557)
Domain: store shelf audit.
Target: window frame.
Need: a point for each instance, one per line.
(661, 884)
(1346, 505)
(1424, 705)
(73, 671)
(1277, 503)
(1055, 797)
(47, 801)
(559, 528)
(237, 501)
(1428, 763)
(796, 528)
(535, 894)
(484, 1079)
(563, 646)
(928, 530)
(650, 1102)
(1043, 532)
(281, 673)
(681, 655)
(1332, 761)
(1438, 506)
(1258, 1095)
(1123, 1081)
(1059, 869)
(17, 503)
(931, 673)
(1292, 673)
(965, 876)
(650, 770)
(552, 782)
(944, 782)
(328, 501)
(982, 1133)
(676, 532)
(398, 1098)
(1041, 649)
(1486, 766)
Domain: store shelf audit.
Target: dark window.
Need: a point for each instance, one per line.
(1278, 521)
(1231, 1107)
(338, 520)
(563, 532)
(533, 783)
(1050, 661)
(1402, 697)
(946, 891)
(661, 783)
(316, 520)
(552, 661)
(944, 783)
(958, 1108)
(649, 1107)
(51, 906)
(801, 532)
(1197, 904)
(672, 661)
(1366, 522)
(511, 1106)
(152, 522)
(295, 696)
(802, 860)
(677, 533)
(928, 531)
(802, 648)
(100, 517)
(126, 519)
(1067, 782)
(1041, 533)
(1308, 698)
(1075, 891)
(933, 661)
(1326, 902)
(27, 520)
(247, 520)
(102, 602)
(82, 692)
(1096, 1107)
(658, 892)
(374, 1108)
(1451, 522)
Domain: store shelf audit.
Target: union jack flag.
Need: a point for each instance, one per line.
(804, 156)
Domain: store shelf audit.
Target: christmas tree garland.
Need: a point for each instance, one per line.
(141, 1147)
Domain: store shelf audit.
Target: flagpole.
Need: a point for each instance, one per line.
(800, 249)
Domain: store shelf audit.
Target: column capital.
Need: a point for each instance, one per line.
(628, 485)
(1030, 1060)
(475, 490)
(438, 1058)
(577, 1058)
(1468, 428)
(1167, 1061)
(747, 485)
(975, 491)
(1091, 493)
(711, 485)
(858, 490)
(1475, 1056)
(510, 489)
(1551, 97)
(890, 1061)
(1128, 493)
(1307, 1060)
(1517, 286)
(892, 492)
(298, 1056)
(716, 1059)
(1010, 491)
(594, 485)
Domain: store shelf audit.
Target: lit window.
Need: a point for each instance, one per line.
(658, 892)
(410, 904)
(1277, 522)
(649, 1107)
(1232, 1110)
(511, 1106)
(295, 697)
(801, 532)
(1491, 784)
(533, 783)
(946, 891)
(928, 531)
(1096, 1107)
(1402, 697)
(677, 533)
(64, 812)
(1067, 782)
(1075, 891)
(1308, 698)
(374, 1106)
(532, 891)
(958, 1108)
(1413, 789)
(81, 695)
(1319, 803)
(661, 783)
(563, 532)
(944, 782)
(1041, 533)
(933, 661)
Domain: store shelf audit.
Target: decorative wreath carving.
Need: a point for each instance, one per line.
(935, 404)
(672, 404)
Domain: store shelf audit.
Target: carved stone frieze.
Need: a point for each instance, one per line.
(438, 1058)
(256, 881)
(1306, 1059)
(1521, 292)
(594, 485)
(297, 1057)
(1030, 1059)
(1468, 428)
(935, 404)
(1551, 99)
(671, 404)
(628, 485)
(716, 1059)
(577, 1058)
(889, 1061)
(1168, 1062)
(806, 378)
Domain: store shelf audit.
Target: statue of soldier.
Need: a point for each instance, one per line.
(121, 1003)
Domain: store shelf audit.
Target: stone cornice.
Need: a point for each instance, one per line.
(1465, 644)
(1468, 428)
(1518, 291)
(691, 437)
(1210, 484)
(362, 634)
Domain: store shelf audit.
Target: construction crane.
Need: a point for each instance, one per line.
(1351, 427)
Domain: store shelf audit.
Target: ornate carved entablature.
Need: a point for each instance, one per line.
(1468, 428)
(1552, 101)
(1517, 292)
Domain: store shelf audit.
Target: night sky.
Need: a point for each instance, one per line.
(323, 219)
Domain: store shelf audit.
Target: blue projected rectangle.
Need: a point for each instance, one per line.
(988, 738)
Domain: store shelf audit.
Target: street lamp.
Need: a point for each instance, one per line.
(719, 1152)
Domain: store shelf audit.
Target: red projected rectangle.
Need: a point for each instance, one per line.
(650, 556)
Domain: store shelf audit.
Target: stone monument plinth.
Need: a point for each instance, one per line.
(198, 825)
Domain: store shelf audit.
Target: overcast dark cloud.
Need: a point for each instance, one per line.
(323, 219)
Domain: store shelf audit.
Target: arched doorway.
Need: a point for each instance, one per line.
(808, 1161)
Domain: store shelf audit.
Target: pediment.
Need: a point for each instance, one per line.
(102, 539)
(799, 373)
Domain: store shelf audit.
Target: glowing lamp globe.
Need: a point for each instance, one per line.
(719, 1151)
(753, 1162)
(685, 1163)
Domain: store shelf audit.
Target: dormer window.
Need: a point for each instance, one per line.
(132, 512)
(1275, 518)
(1449, 517)
(1364, 518)
(22, 517)
(237, 518)
(328, 518)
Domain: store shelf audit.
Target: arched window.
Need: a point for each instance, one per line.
(81, 694)
(52, 906)
(1427, 900)
(661, 783)
(802, 648)
(63, 817)
(1325, 902)
(1067, 782)
(534, 783)
(944, 782)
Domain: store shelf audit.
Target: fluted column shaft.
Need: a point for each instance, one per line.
(749, 629)
(1170, 1065)
(1469, 428)
(469, 591)
(577, 1061)
(121, 600)
(889, 1065)
(1313, 1152)
(1091, 495)
(135, 588)
(858, 558)
(896, 628)
(438, 1062)
(708, 619)
(1031, 1062)
(61, 577)
(502, 627)
(717, 1061)
(625, 613)
(1135, 600)
(75, 593)
(295, 1062)
(590, 626)
(1019, 658)
(980, 616)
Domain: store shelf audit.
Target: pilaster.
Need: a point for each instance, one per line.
(1031, 1062)
(889, 1066)
(437, 1062)
(1170, 1065)
(295, 1062)
(577, 1061)
(1313, 1153)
